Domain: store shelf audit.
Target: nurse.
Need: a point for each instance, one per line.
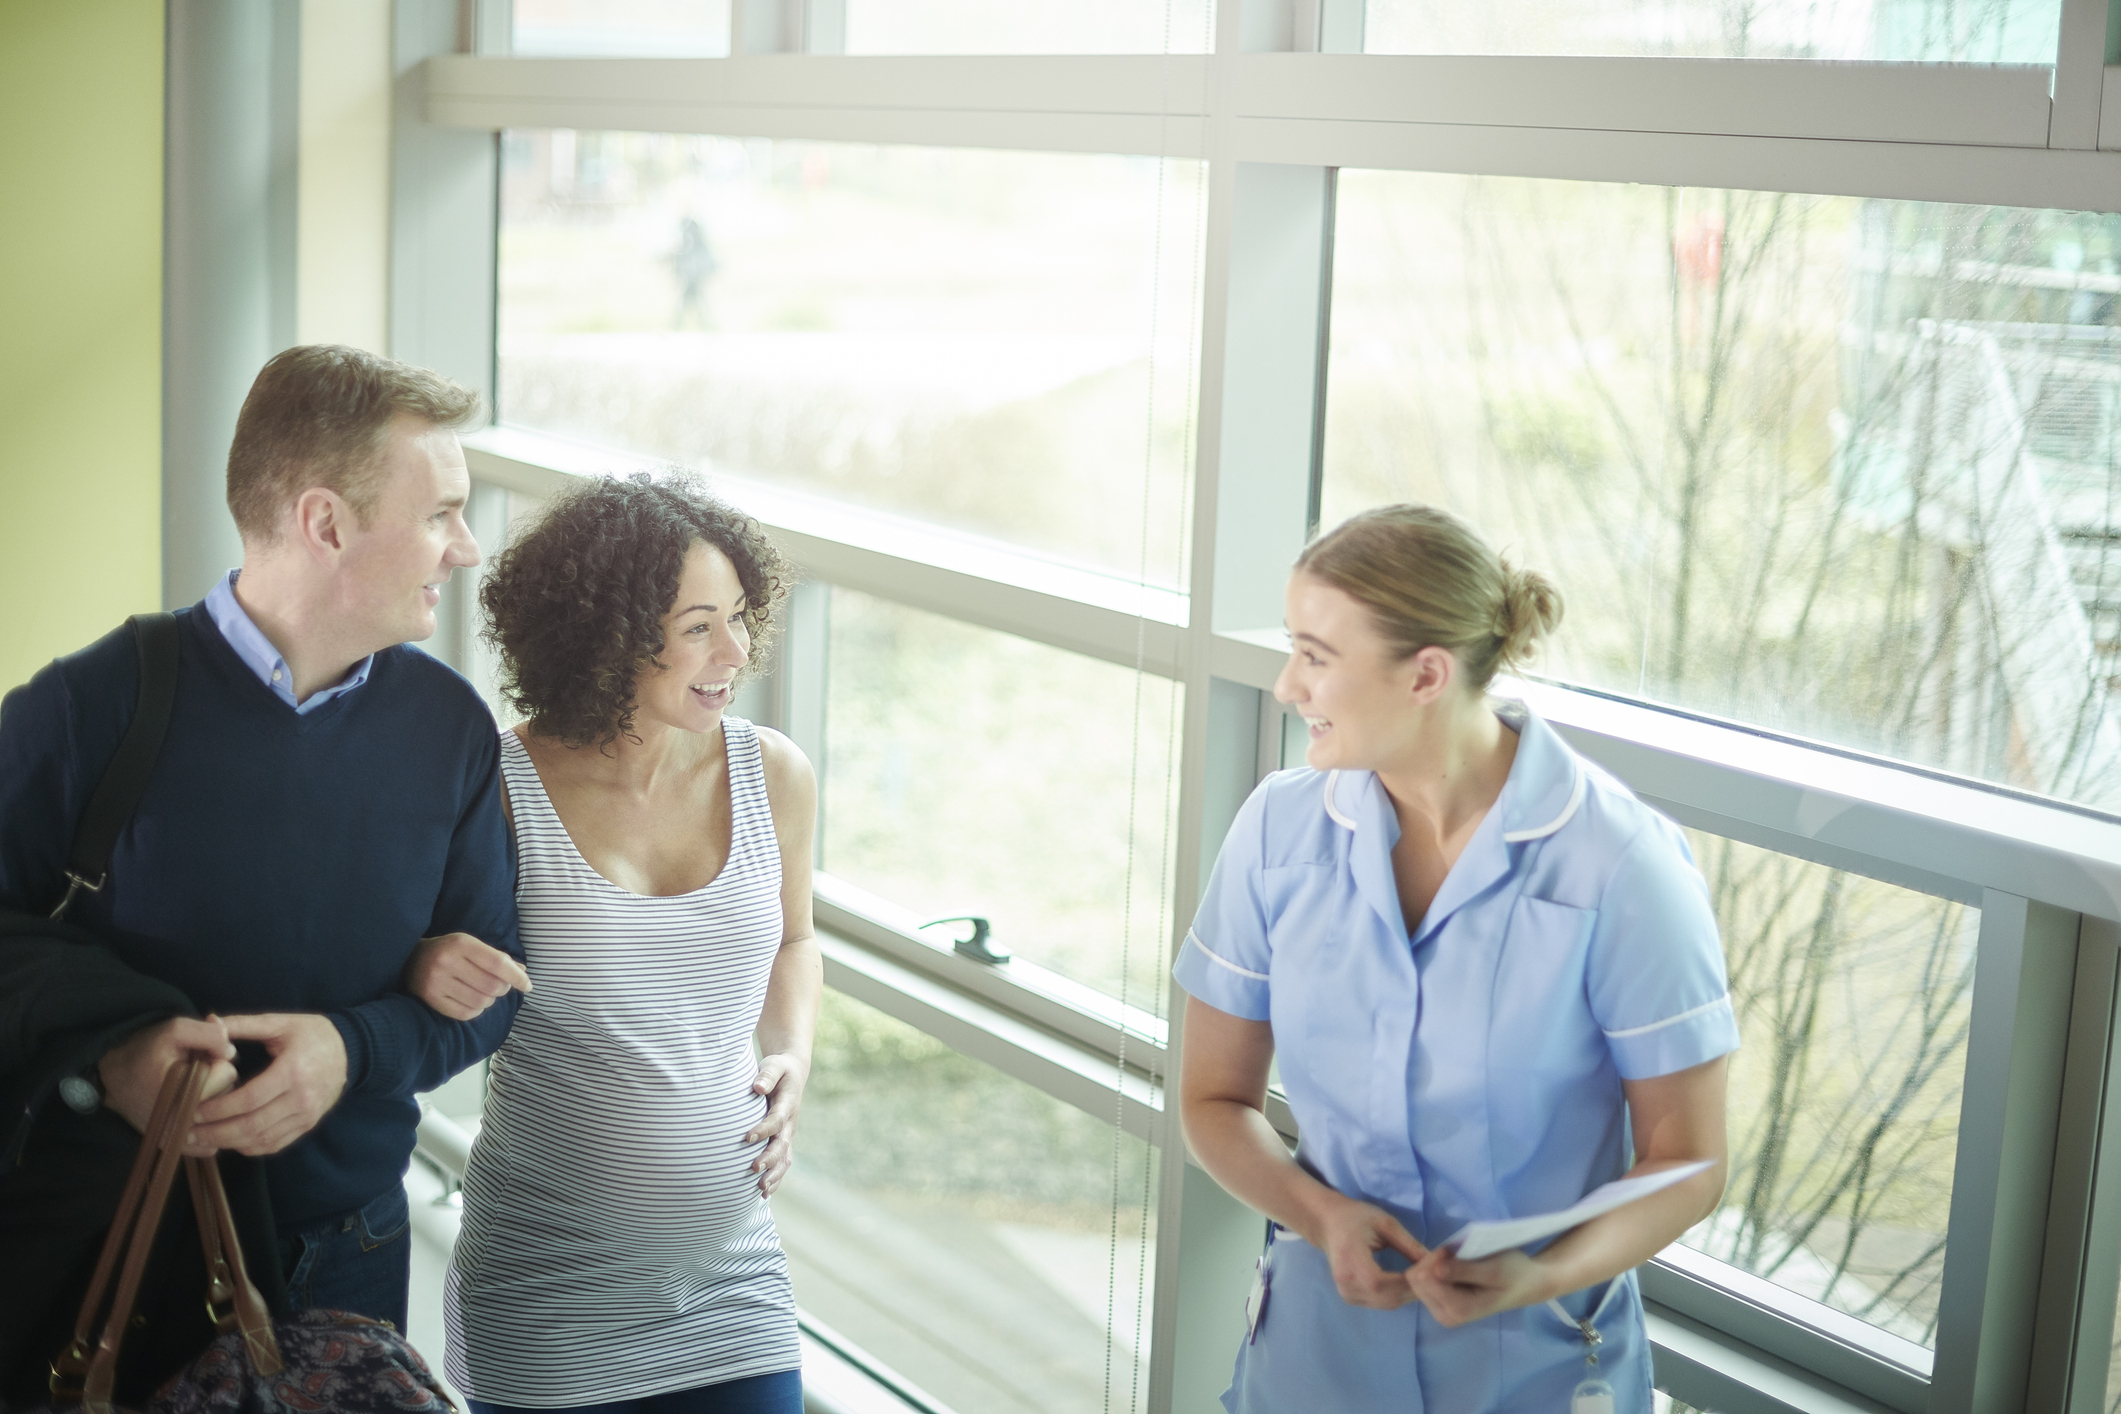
(1493, 982)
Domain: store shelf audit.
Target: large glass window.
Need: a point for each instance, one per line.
(991, 1244)
(1917, 31)
(662, 29)
(1030, 27)
(2113, 1370)
(973, 772)
(1853, 1001)
(1842, 468)
(999, 343)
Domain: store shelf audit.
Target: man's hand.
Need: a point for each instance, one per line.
(460, 977)
(781, 1079)
(132, 1071)
(284, 1101)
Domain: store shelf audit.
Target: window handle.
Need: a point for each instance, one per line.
(980, 946)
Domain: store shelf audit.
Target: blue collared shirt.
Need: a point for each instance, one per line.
(257, 652)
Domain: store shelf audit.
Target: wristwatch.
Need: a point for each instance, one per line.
(82, 1091)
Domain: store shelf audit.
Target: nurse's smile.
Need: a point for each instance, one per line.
(1342, 677)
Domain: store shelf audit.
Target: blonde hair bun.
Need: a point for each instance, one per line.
(1430, 580)
(1531, 611)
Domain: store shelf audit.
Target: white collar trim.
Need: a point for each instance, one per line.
(1576, 794)
(1333, 806)
(1577, 790)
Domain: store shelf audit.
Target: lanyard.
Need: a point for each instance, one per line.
(1592, 1395)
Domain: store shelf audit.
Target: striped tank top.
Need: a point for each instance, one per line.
(615, 1245)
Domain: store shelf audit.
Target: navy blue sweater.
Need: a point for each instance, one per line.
(282, 863)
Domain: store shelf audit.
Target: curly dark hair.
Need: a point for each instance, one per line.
(575, 604)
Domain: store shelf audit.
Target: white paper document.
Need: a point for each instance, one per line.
(1477, 1240)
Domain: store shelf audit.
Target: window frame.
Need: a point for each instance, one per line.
(1863, 815)
(2036, 1217)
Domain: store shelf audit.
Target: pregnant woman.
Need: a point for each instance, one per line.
(617, 1251)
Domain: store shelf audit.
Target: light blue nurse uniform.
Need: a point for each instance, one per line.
(1472, 1071)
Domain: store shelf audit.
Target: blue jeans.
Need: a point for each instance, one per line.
(777, 1393)
(359, 1261)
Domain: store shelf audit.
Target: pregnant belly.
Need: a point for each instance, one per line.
(620, 1162)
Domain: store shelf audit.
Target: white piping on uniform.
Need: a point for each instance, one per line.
(1194, 938)
(1724, 1000)
(1576, 793)
(1332, 809)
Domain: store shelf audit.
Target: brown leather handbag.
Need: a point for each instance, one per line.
(321, 1362)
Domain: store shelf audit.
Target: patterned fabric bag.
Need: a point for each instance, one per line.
(331, 1360)
(321, 1362)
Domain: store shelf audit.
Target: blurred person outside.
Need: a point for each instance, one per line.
(694, 265)
(616, 1196)
(1491, 976)
(325, 797)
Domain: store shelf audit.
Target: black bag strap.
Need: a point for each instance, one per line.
(124, 781)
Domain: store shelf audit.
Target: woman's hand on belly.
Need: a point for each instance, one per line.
(1351, 1234)
(781, 1080)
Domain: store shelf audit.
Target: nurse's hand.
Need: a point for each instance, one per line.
(1457, 1292)
(1351, 1235)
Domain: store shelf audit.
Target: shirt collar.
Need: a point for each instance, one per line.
(256, 650)
(1544, 790)
(1547, 782)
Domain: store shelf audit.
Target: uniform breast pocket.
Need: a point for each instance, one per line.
(1540, 999)
(1551, 1090)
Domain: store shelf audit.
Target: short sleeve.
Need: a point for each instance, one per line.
(1656, 977)
(1223, 961)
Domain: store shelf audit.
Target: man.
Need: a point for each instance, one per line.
(326, 798)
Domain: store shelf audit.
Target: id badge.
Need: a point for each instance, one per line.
(1592, 1395)
(1256, 1301)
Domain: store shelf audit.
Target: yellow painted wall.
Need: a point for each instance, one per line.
(80, 323)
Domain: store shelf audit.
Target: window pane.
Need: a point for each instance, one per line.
(973, 772)
(1918, 31)
(998, 343)
(2113, 1370)
(659, 29)
(1853, 1002)
(991, 1244)
(1028, 27)
(1841, 468)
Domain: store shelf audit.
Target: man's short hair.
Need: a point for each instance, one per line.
(319, 415)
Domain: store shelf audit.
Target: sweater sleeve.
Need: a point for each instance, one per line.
(397, 1044)
(37, 794)
(64, 1000)
(58, 732)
